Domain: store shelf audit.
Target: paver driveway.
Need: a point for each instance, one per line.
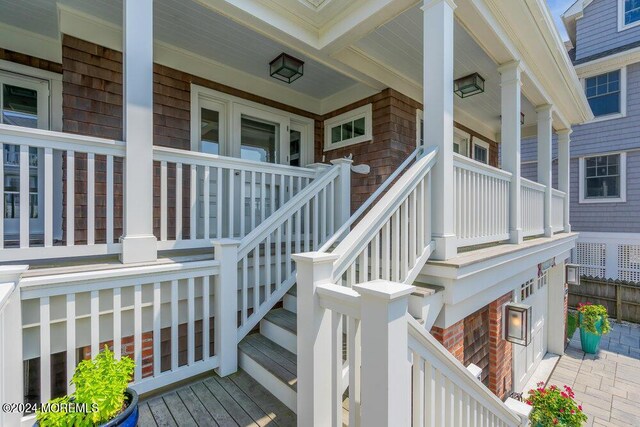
(607, 385)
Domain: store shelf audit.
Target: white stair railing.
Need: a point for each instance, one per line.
(393, 240)
(532, 212)
(265, 268)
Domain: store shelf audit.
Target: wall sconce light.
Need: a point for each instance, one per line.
(573, 274)
(517, 319)
(286, 68)
(470, 85)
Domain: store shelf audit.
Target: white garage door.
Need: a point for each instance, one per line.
(526, 359)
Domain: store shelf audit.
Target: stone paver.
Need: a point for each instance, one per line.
(607, 384)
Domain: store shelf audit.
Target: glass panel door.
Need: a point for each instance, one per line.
(294, 157)
(23, 102)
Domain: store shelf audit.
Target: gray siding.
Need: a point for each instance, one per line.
(597, 30)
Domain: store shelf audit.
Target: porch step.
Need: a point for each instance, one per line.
(280, 326)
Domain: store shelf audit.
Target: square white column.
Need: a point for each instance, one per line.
(138, 243)
(545, 138)
(438, 118)
(564, 168)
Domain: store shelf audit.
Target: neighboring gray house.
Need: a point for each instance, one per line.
(605, 153)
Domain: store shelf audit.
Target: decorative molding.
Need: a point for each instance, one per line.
(29, 43)
(608, 63)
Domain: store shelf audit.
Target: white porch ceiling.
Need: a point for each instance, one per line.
(398, 46)
(195, 28)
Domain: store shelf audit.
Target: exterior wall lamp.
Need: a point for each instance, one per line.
(286, 68)
(517, 318)
(470, 85)
(573, 274)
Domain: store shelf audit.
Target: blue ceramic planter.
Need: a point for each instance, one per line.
(590, 342)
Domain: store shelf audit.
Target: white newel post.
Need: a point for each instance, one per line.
(226, 306)
(314, 406)
(385, 368)
(438, 118)
(545, 138)
(11, 370)
(138, 243)
(342, 203)
(564, 168)
(511, 83)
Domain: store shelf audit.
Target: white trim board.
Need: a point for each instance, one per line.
(29, 43)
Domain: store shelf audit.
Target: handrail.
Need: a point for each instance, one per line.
(173, 155)
(351, 246)
(478, 167)
(437, 352)
(344, 229)
(257, 235)
(532, 184)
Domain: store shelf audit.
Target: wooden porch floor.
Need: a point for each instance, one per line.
(236, 400)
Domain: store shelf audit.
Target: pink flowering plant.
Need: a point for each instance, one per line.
(554, 406)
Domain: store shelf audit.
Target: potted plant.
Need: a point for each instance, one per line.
(101, 396)
(554, 407)
(593, 322)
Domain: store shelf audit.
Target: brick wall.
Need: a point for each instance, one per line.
(500, 355)
(452, 338)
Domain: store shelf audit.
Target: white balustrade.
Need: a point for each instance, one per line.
(229, 199)
(481, 202)
(393, 240)
(265, 268)
(532, 211)
(137, 311)
(557, 210)
(58, 194)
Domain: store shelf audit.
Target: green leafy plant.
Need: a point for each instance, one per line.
(590, 315)
(553, 406)
(100, 384)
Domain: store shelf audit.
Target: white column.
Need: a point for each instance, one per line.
(226, 306)
(385, 368)
(342, 199)
(138, 243)
(545, 142)
(438, 118)
(564, 168)
(314, 406)
(511, 84)
(11, 370)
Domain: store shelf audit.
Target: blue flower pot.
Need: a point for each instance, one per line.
(590, 342)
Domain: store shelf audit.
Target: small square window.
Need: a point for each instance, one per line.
(602, 178)
(352, 127)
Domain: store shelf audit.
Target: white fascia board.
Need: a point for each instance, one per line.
(29, 43)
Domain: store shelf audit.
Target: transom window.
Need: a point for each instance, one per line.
(604, 94)
(526, 290)
(631, 11)
(602, 176)
(352, 127)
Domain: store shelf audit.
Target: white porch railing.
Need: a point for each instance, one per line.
(481, 202)
(557, 210)
(532, 202)
(41, 220)
(231, 196)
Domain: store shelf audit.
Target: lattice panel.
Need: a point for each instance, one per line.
(591, 258)
(629, 263)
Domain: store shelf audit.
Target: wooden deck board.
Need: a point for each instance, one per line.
(236, 400)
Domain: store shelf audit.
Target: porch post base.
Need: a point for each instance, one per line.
(446, 247)
(548, 232)
(136, 249)
(517, 236)
(567, 228)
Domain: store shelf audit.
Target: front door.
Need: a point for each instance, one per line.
(526, 359)
(24, 101)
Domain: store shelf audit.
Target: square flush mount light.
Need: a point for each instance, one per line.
(517, 318)
(286, 68)
(573, 274)
(470, 85)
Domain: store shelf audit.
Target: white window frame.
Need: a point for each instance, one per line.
(366, 112)
(230, 111)
(469, 139)
(623, 92)
(621, 25)
(480, 143)
(623, 179)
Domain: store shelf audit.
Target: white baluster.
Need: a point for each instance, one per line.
(48, 197)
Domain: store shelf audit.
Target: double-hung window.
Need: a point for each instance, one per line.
(604, 93)
(629, 13)
(603, 178)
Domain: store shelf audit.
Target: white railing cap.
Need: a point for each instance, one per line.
(467, 163)
(384, 289)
